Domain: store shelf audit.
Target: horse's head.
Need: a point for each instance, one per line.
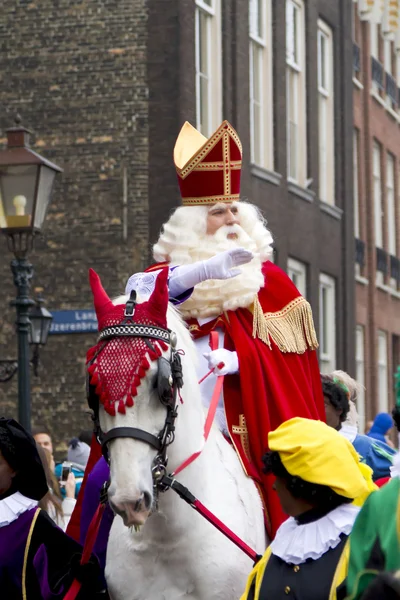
(131, 380)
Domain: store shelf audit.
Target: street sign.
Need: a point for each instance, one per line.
(73, 321)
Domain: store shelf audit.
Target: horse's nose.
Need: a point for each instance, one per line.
(133, 510)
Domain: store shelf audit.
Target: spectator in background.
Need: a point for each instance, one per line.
(78, 453)
(42, 437)
(59, 509)
(77, 457)
(341, 414)
(383, 423)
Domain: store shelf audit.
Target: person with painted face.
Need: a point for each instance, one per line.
(37, 559)
(320, 484)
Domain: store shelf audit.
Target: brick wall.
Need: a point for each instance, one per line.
(377, 307)
(76, 71)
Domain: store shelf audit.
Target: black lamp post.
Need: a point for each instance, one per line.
(26, 182)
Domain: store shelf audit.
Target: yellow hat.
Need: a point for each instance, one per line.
(318, 454)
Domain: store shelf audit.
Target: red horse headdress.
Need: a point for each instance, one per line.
(116, 365)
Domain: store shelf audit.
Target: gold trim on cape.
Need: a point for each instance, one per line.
(291, 329)
(241, 431)
(28, 543)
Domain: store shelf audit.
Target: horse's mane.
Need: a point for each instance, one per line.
(176, 324)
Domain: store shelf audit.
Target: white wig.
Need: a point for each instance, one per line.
(187, 226)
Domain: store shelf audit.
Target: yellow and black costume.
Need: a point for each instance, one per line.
(308, 559)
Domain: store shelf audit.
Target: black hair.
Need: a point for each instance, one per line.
(8, 449)
(336, 395)
(320, 496)
(40, 429)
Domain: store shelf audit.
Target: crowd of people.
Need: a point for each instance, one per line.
(333, 533)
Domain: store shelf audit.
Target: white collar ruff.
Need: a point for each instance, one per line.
(296, 543)
(13, 506)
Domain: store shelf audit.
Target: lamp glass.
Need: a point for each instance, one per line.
(46, 180)
(17, 195)
(40, 319)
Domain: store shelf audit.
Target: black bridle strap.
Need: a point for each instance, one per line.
(132, 432)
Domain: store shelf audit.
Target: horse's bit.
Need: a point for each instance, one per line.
(169, 381)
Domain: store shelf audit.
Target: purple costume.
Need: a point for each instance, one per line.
(100, 473)
(52, 560)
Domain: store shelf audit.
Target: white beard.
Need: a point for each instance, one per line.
(211, 298)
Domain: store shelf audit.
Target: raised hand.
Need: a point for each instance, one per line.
(223, 265)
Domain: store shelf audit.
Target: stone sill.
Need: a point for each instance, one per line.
(301, 192)
(388, 290)
(330, 209)
(384, 105)
(265, 174)
(362, 280)
(358, 83)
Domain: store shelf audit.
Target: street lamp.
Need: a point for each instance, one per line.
(39, 327)
(40, 319)
(26, 182)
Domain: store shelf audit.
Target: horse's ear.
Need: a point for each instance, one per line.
(102, 302)
(159, 298)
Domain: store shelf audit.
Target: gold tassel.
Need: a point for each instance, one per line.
(291, 329)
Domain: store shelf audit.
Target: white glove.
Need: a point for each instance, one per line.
(229, 359)
(220, 266)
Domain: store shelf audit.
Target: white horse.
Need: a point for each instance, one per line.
(177, 553)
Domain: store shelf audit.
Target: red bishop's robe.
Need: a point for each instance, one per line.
(278, 377)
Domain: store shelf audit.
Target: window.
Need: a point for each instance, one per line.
(374, 33)
(296, 92)
(383, 389)
(208, 66)
(261, 100)
(326, 114)
(390, 199)
(377, 195)
(297, 272)
(360, 376)
(327, 323)
(356, 149)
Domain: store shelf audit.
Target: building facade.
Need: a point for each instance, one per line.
(376, 155)
(108, 88)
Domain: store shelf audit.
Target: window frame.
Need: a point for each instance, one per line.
(383, 372)
(360, 376)
(326, 113)
(327, 358)
(296, 101)
(298, 269)
(391, 203)
(356, 182)
(214, 65)
(377, 186)
(260, 55)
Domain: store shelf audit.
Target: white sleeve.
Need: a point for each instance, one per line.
(68, 505)
(181, 279)
(142, 283)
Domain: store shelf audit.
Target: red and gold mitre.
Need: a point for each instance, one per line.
(208, 169)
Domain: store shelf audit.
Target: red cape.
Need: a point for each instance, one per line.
(273, 385)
